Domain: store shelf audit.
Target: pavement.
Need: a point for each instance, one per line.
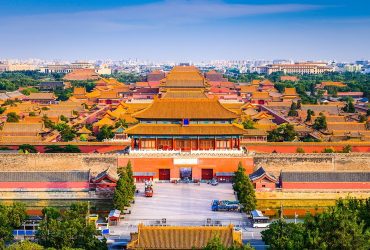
(184, 204)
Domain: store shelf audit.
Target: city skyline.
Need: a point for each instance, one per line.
(186, 30)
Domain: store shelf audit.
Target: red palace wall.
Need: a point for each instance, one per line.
(326, 185)
(217, 164)
(44, 185)
(317, 148)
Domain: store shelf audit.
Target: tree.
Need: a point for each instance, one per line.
(27, 148)
(12, 117)
(299, 104)
(347, 149)
(328, 150)
(293, 110)
(25, 245)
(71, 149)
(349, 107)
(47, 122)
(130, 180)
(285, 132)
(121, 123)
(320, 123)
(300, 150)
(11, 217)
(64, 119)
(215, 243)
(244, 189)
(121, 196)
(2, 110)
(67, 133)
(283, 235)
(248, 124)
(309, 115)
(68, 229)
(105, 132)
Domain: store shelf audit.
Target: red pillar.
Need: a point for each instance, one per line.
(139, 143)
(238, 143)
(156, 143)
(214, 141)
(132, 143)
(198, 144)
(173, 143)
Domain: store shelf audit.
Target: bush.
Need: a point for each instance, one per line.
(328, 150)
(300, 150)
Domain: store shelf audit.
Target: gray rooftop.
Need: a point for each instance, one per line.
(325, 176)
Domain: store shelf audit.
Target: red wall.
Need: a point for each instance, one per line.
(307, 148)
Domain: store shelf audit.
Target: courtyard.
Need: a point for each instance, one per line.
(183, 204)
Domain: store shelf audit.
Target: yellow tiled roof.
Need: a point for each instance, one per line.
(192, 129)
(260, 95)
(182, 237)
(290, 91)
(184, 94)
(104, 121)
(178, 108)
(248, 88)
(83, 130)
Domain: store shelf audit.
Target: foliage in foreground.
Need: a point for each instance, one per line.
(244, 189)
(215, 244)
(69, 229)
(11, 217)
(344, 226)
(125, 189)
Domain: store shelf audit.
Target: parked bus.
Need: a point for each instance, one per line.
(259, 220)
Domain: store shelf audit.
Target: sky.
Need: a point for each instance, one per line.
(185, 30)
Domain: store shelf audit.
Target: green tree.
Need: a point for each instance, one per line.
(328, 150)
(67, 133)
(2, 110)
(285, 132)
(121, 123)
(71, 149)
(299, 104)
(349, 107)
(248, 124)
(320, 123)
(12, 117)
(105, 132)
(347, 149)
(27, 148)
(47, 122)
(53, 149)
(25, 245)
(244, 189)
(300, 150)
(309, 115)
(68, 229)
(130, 180)
(121, 193)
(293, 110)
(64, 119)
(283, 235)
(11, 217)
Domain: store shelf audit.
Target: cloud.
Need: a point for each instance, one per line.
(148, 16)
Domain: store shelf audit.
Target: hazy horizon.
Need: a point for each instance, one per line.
(185, 30)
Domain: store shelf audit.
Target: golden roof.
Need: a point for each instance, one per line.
(84, 130)
(290, 91)
(336, 84)
(255, 82)
(262, 115)
(184, 94)
(184, 76)
(248, 88)
(94, 94)
(192, 129)
(22, 128)
(41, 96)
(182, 237)
(118, 111)
(104, 121)
(79, 91)
(179, 108)
(260, 95)
(347, 126)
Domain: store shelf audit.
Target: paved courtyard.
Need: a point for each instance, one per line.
(183, 204)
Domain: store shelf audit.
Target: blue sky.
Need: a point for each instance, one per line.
(185, 30)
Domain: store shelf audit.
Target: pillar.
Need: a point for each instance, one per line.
(173, 143)
(156, 143)
(214, 141)
(198, 144)
(139, 146)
